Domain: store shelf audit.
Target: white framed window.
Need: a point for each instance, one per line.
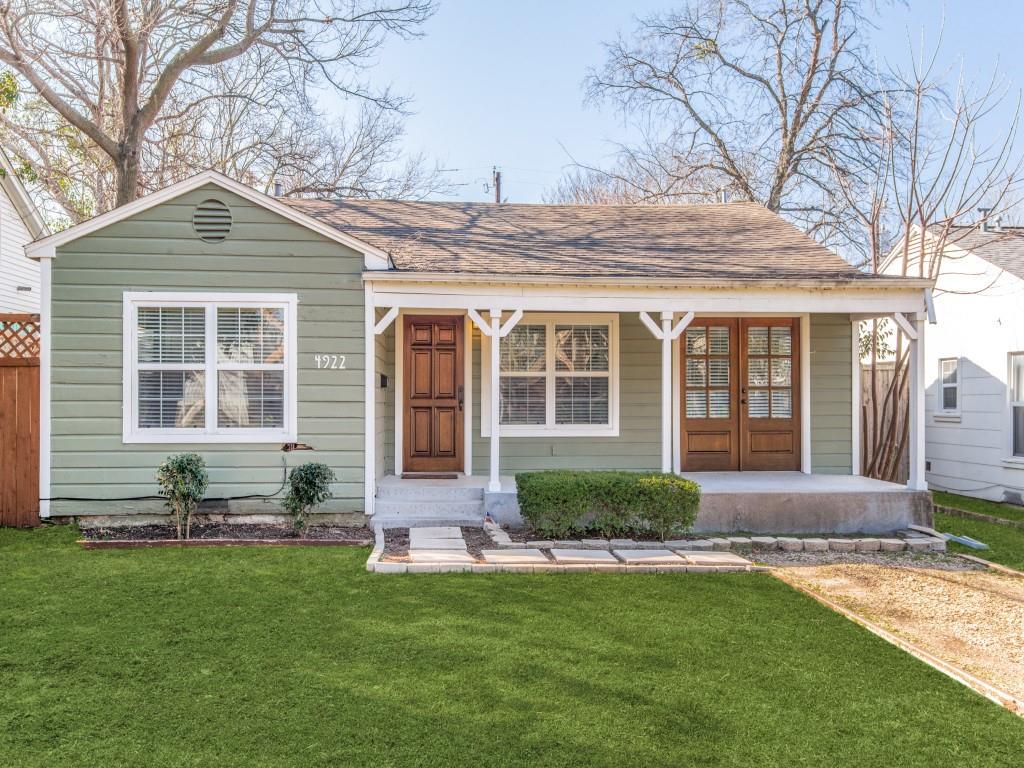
(209, 367)
(558, 376)
(1016, 392)
(949, 386)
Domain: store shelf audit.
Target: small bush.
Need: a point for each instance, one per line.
(183, 481)
(561, 503)
(309, 485)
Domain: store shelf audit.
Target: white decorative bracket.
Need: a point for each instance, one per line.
(681, 326)
(385, 321)
(905, 325)
(483, 325)
(673, 333)
(651, 326)
(506, 329)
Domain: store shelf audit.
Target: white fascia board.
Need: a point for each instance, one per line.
(374, 258)
(23, 204)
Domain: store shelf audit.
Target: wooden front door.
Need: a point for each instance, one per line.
(770, 393)
(740, 404)
(434, 390)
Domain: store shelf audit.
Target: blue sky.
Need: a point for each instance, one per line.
(500, 83)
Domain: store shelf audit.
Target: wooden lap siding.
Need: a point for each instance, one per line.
(158, 250)
(638, 445)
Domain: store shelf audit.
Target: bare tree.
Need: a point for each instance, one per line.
(763, 98)
(107, 78)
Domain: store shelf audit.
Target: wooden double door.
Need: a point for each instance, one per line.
(740, 389)
(434, 393)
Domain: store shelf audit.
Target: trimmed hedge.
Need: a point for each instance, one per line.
(561, 503)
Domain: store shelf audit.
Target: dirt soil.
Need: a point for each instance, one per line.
(225, 531)
(973, 619)
(396, 545)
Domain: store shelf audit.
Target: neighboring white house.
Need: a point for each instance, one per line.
(20, 224)
(974, 360)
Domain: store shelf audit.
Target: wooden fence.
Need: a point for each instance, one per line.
(19, 420)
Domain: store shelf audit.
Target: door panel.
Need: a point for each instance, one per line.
(709, 407)
(434, 389)
(770, 393)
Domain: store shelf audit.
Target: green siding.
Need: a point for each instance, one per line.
(157, 250)
(831, 394)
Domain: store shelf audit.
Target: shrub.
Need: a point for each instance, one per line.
(560, 503)
(183, 481)
(309, 485)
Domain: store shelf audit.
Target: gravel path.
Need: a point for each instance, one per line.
(971, 618)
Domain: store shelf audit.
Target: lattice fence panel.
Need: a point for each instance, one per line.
(19, 339)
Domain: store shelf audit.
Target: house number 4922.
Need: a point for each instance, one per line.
(333, 362)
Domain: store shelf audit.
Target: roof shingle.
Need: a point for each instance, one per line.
(736, 241)
(1004, 247)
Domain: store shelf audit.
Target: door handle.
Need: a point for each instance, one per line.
(461, 396)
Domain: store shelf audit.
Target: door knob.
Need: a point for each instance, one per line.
(461, 396)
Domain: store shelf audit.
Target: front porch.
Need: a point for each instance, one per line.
(671, 380)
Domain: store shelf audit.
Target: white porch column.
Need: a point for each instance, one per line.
(370, 401)
(916, 480)
(666, 392)
(494, 484)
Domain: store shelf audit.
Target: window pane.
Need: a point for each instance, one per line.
(171, 334)
(782, 404)
(757, 341)
(581, 347)
(581, 400)
(1018, 430)
(718, 404)
(949, 398)
(719, 373)
(253, 399)
(523, 350)
(757, 404)
(696, 341)
(523, 400)
(719, 340)
(1017, 377)
(172, 399)
(782, 372)
(697, 405)
(696, 372)
(757, 372)
(782, 341)
(948, 371)
(250, 335)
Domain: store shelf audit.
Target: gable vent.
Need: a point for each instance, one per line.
(212, 221)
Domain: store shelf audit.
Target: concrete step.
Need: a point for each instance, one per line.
(414, 510)
(391, 521)
(410, 490)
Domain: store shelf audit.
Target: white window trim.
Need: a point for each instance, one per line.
(131, 433)
(551, 429)
(941, 411)
(1011, 457)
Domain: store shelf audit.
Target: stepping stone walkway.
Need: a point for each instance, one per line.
(515, 557)
(583, 556)
(649, 557)
(438, 545)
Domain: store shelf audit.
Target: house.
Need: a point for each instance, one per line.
(974, 406)
(429, 351)
(20, 224)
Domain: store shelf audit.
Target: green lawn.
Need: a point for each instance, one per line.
(969, 503)
(1006, 544)
(298, 657)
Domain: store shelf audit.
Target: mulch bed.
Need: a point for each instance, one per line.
(941, 561)
(211, 534)
(396, 544)
(477, 540)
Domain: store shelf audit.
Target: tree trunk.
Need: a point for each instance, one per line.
(126, 170)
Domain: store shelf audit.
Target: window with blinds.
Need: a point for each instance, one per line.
(769, 372)
(556, 375)
(207, 369)
(949, 385)
(1017, 403)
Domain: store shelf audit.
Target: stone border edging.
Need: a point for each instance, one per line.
(981, 516)
(994, 566)
(159, 543)
(989, 691)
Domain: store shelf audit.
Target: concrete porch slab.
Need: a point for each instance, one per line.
(435, 532)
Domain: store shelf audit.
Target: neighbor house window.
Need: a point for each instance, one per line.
(949, 385)
(557, 375)
(209, 367)
(1017, 402)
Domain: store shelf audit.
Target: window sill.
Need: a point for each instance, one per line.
(509, 431)
(1014, 462)
(240, 438)
(947, 417)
